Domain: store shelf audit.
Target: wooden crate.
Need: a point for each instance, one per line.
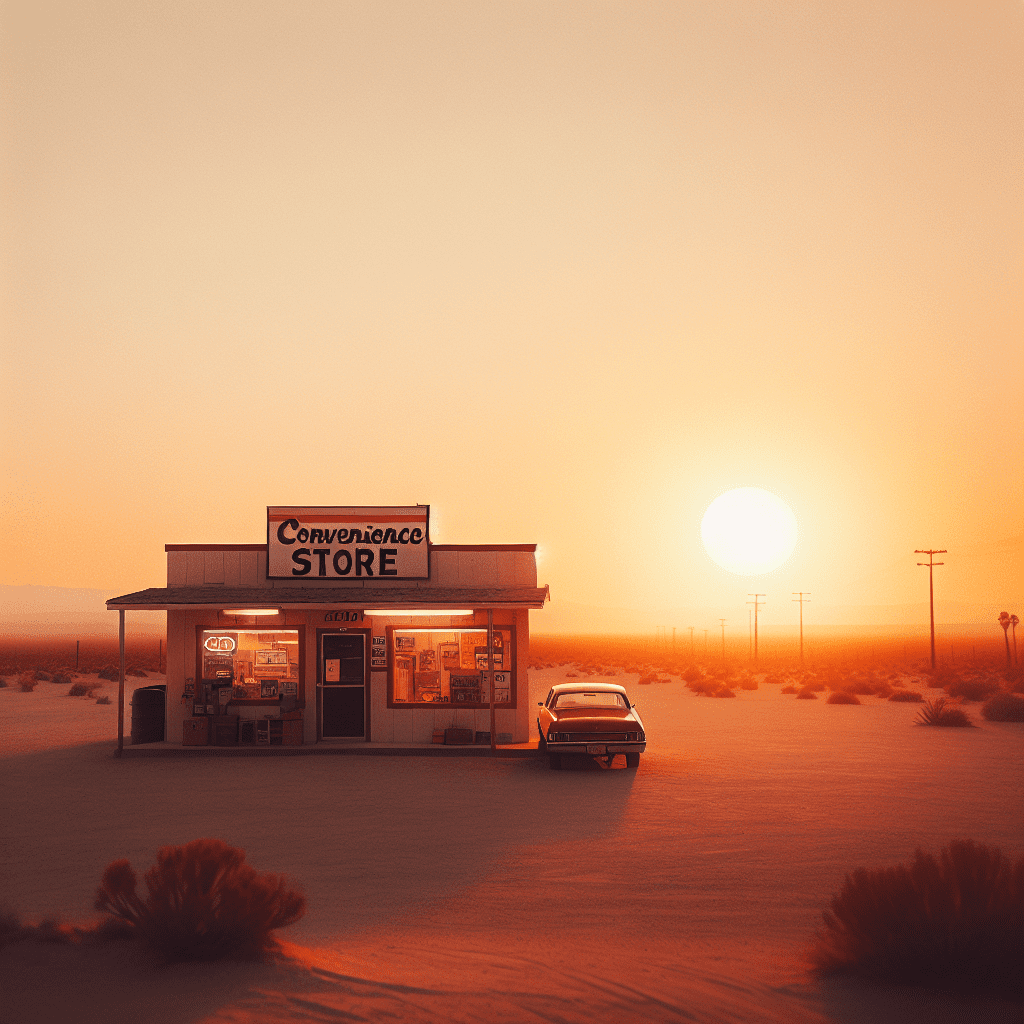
(224, 731)
(455, 736)
(291, 732)
(195, 732)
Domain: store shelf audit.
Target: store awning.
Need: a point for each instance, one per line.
(297, 598)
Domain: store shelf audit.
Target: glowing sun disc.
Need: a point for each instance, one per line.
(748, 531)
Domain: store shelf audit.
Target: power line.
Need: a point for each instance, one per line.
(756, 605)
(930, 552)
(801, 600)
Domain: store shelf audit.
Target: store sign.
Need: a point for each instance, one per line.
(363, 542)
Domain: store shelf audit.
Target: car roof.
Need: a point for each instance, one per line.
(588, 688)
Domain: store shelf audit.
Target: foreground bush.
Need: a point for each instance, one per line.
(82, 689)
(972, 689)
(204, 903)
(27, 682)
(1003, 707)
(953, 922)
(938, 712)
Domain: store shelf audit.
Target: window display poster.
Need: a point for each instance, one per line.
(405, 643)
(428, 660)
(268, 688)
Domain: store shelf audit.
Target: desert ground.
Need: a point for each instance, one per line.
(495, 889)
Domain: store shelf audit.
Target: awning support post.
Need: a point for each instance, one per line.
(120, 685)
(490, 673)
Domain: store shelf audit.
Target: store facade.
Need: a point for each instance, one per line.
(347, 626)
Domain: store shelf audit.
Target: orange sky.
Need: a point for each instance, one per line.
(565, 272)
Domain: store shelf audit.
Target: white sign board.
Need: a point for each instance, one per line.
(362, 542)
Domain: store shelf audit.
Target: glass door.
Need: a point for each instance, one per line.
(343, 690)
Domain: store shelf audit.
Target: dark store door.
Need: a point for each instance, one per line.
(343, 671)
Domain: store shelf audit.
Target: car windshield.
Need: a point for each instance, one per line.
(590, 699)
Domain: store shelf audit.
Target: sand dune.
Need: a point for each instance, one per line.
(497, 890)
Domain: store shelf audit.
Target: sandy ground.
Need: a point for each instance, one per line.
(497, 890)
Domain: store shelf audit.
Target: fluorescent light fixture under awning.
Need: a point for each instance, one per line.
(251, 611)
(419, 611)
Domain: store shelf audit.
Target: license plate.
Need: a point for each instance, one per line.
(596, 748)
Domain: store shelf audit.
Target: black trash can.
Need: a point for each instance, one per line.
(148, 714)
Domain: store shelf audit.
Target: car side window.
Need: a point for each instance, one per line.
(547, 702)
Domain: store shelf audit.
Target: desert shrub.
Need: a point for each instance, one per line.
(3, 683)
(1003, 707)
(805, 694)
(859, 685)
(81, 689)
(109, 672)
(748, 684)
(43, 676)
(907, 696)
(572, 675)
(722, 691)
(938, 712)
(204, 902)
(956, 921)
(972, 689)
(789, 689)
(647, 679)
(842, 697)
(27, 682)
(61, 678)
(103, 700)
(883, 689)
(691, 675)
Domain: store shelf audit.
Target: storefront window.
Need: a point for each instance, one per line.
(248, 665)
(449, 666)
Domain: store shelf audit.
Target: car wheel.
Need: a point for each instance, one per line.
(554, 761)
(632, 760)
(542, 744)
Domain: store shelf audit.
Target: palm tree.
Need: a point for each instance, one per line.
(1014, 623)
(1004, 621)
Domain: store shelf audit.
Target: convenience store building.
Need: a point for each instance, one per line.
(348, 626)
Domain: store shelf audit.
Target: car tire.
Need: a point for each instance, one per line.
(632, 760)
(542, 744)
(554, 761)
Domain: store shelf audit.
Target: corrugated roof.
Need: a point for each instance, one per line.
(366, 596)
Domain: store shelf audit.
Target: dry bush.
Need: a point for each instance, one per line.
(103, 700)
(27, 682)
(907, 697)
(790, 689)
(956, 922)
(842, 697)
(110, 672)
(972, 689)
(938, 712)
(691, 675)
(82, 689)
(62, 678)
(204, 903)
(805, 694)
(722, 691)
(43, 676)
(3, 683)
(1003, 707)
(748, 684)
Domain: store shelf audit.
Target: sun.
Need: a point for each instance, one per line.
(749, 531)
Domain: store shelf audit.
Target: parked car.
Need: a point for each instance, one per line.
(595, 719)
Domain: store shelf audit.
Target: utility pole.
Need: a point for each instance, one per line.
(756, 605)
(723, 621)
(801, 600)
(930, 552)
(750, 635)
